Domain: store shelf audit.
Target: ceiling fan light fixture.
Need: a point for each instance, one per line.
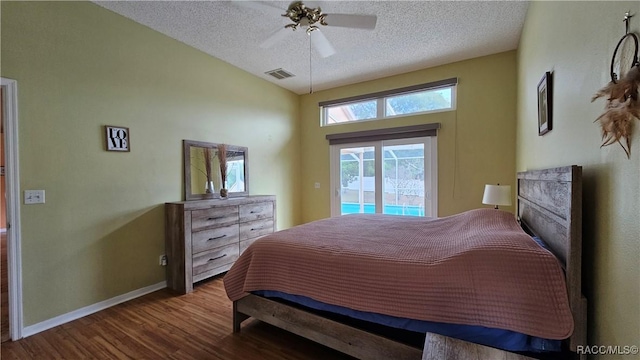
(310, 19)
(301, 15)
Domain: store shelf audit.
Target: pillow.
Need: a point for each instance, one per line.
(541, 243)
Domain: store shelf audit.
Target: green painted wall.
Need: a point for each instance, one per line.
(576, 40)
(80, 67)
(475, 144)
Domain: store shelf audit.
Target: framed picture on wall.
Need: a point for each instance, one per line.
(544, 104)
(117, 138)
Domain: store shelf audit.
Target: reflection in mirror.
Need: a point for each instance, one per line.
(202, 178)
(235, 171)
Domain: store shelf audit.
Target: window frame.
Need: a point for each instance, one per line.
(382, 97)
(430, 162)
(367, 137)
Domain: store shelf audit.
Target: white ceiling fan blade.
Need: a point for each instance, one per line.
(352, 21)
(276, 37)
(321, 43)
(260, 6)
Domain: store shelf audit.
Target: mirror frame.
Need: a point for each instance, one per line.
(188, 195)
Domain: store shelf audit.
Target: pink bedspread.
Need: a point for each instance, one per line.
(474, 268)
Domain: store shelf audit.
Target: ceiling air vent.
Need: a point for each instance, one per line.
(279, 74)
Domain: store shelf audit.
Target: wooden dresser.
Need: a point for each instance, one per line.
(205, 237)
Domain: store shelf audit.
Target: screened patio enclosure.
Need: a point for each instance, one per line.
(402, 182)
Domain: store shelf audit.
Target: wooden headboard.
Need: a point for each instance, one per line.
(550, 206)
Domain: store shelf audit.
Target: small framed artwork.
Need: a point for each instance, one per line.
(117, 138)
(544, 104)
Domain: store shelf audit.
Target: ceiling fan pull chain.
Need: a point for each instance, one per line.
(310, 68)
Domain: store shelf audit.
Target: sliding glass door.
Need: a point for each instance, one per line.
(357, 176)
(403, 172)
(395, 177)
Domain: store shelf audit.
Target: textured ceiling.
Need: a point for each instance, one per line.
(409, 35)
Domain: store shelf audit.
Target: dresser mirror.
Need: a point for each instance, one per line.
(202, 178)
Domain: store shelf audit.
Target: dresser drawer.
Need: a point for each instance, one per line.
(202, 237)
(244, 244)
(214, 217)
(261, 210)
(212, 259)
(215, 237)
(255, 228)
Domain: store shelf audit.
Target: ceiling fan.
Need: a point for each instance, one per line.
(310, 19)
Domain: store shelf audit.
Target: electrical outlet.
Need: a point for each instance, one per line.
(33, 197)
(162, 261)
(317, 185)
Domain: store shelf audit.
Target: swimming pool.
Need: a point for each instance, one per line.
(410, 210)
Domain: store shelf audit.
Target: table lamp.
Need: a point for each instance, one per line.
(497, 195)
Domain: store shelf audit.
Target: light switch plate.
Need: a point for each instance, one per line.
(33, 197)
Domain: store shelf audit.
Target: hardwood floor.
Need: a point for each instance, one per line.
(4, 290)
(162, 325)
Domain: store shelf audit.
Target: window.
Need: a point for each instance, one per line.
(395, 177)
(420, 102)
(419, 99)
(352, 112)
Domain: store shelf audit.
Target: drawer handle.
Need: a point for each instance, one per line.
(217, 237)
(215, 218)
(252, 212)
(254, 229)
(217, 258)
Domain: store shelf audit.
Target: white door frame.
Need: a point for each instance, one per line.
(12, 178)
(430, 165)
(334, 172)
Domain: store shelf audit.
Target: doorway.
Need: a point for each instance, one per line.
(396, 177)
(4, 274)
(11, 202)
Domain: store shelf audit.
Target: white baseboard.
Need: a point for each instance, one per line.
(88, 310)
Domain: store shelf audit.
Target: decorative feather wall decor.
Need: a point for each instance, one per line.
(621, 109)
(622, 105)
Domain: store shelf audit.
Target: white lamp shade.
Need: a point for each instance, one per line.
(497, 195)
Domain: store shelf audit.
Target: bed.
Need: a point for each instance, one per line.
(478, 270)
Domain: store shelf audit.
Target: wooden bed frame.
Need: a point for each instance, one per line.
(549, 206)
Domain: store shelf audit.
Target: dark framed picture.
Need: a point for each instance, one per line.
(544, 104)
(117, 138)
